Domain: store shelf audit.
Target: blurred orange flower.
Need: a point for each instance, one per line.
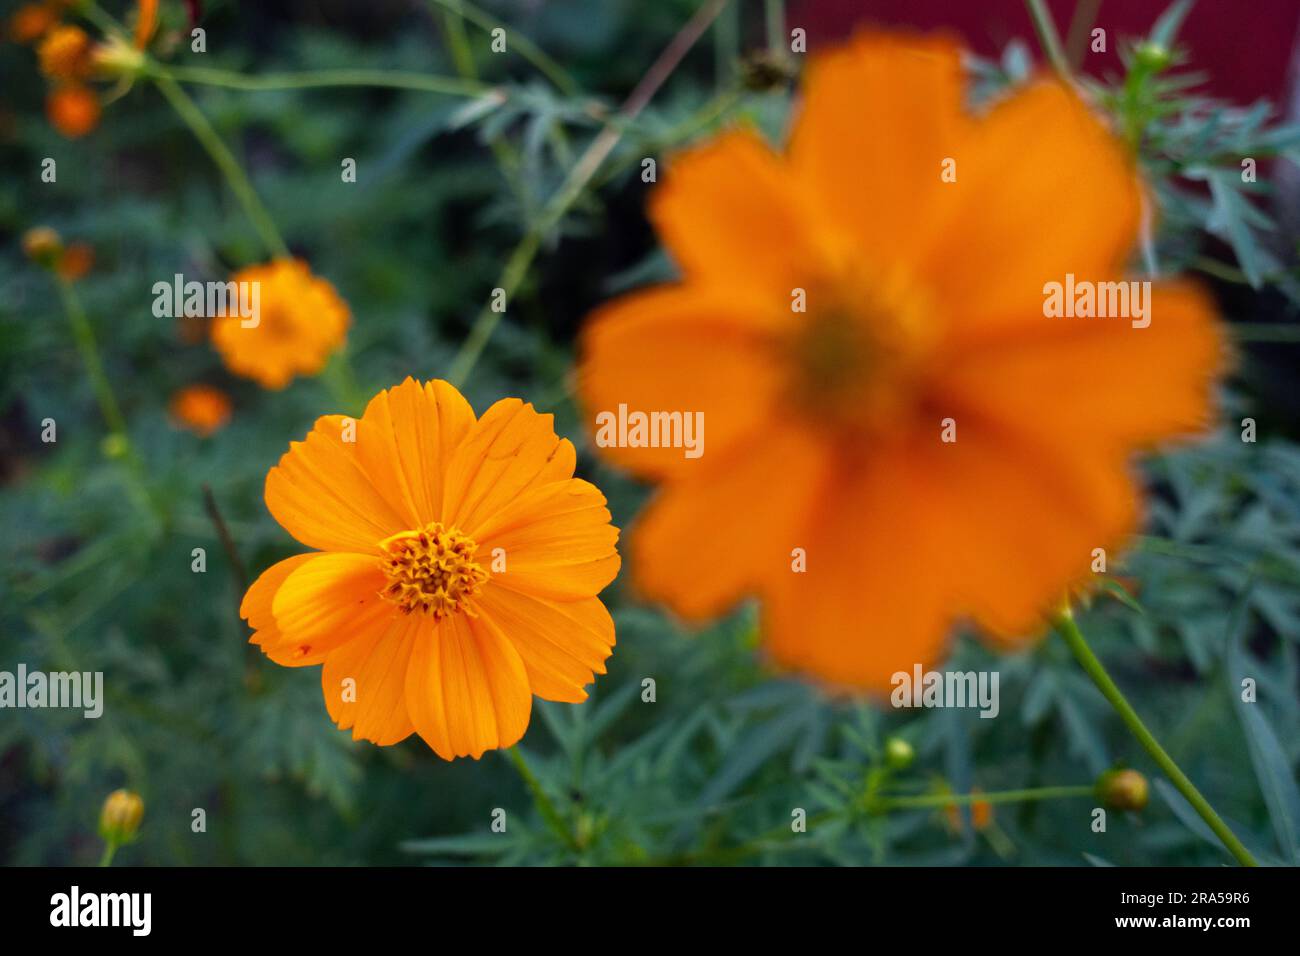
(301, 321)
(456, 575)
(898, 435)
(75, 261)
(203, 409)
(32, 21)
(73, 110)
(66, 54)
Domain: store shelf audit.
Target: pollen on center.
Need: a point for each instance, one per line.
(431, 569)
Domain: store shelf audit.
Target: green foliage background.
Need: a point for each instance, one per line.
(710, 771)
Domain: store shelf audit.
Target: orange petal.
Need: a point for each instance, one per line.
(256, 610)
(878, 118)
(324, 603)
(687, 350)
(1020, 520)
(563, 645)
(869, 604)
(729, 211)
(556, 541)
(466, 689)
(1100, 381)
(405, 441)
(508, 451)
(705, 542)
(321, 494)
(1043, 189)
(364, 680)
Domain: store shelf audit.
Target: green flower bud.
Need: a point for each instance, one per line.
(898, 753)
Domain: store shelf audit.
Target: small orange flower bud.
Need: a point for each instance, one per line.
(120, 819)
(42, 245)
(1123, 789)
(65, 54)
(73, 110)
(76, 261)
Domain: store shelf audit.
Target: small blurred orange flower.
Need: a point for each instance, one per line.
(302, 321)
(73, 110)
(457, 571)
(76, 261)
(850, 307)
(66, 54)
(203, 409)
(32, 21)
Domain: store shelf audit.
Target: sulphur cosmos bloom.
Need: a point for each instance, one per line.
(899, 437)
(203, 409)
(301, 322)
(456, 572)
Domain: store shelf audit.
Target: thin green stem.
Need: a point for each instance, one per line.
(927, 800)
(543, 803)
(580, 175)
(110, 850)
(88, 348)
(1065, 626)
(314, 79)
(1048, 38)
(193, 117)
(516, 41)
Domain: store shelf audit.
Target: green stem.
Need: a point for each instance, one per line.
(87, 346)
(968, 799)
(485, 324)
(1065, 626)
(110, 849)
(1048, 38)
(193, 117)
(580, 175)
(84, 336)
(314, 79)
(516, 41)
(543, 803)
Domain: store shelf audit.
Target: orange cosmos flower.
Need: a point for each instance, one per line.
(32, 21)
(300, 322)
(898, 435)
(456, 574)
(66, 54)
(203, 409)
(73, 110)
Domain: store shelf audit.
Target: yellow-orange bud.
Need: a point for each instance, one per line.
(120, 819)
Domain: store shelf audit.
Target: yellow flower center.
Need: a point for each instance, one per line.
(431, 569)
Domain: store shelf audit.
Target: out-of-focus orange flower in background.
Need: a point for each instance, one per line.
(32, 21)
(457, 571)
(203, 409)
(73, 109)
(66, 53)
(302, 321)
(924, 307)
